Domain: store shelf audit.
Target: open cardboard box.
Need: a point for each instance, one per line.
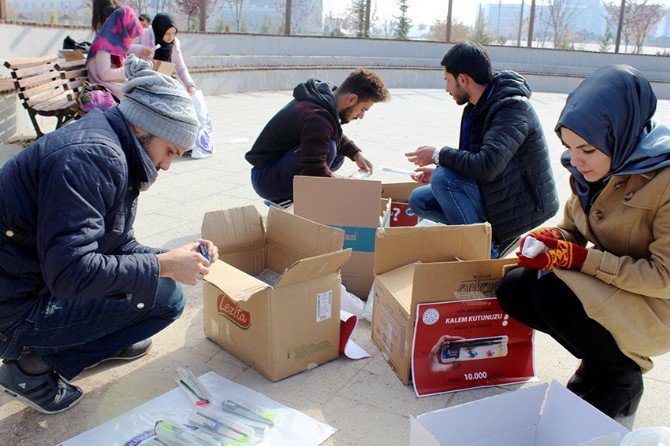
(527, 417)
(398, 193)
(353, 205)
(72, 54)
(426, 264)
(283, 329)
(167, 68)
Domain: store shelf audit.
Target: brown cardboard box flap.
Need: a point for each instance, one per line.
(314, 267)
(167, 68)
(307, 237)
(395, 247)
(474, 279)
(399, 191)
(237, 285)
(337, 201)
(235, 229)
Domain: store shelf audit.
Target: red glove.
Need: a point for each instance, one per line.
(547, 232)
(561, 254)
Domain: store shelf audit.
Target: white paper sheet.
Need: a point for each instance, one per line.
(133, 427)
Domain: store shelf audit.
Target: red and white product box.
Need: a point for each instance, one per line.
(464, 344)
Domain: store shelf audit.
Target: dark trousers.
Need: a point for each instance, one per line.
(275, 182)
(71, 335)
(547, 304)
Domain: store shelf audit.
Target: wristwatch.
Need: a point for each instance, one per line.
(436, 157)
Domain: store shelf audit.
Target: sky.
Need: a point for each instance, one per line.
(427, 11)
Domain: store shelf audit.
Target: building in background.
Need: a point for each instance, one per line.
(63, 12)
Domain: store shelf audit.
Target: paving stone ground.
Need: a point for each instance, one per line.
(364, 399)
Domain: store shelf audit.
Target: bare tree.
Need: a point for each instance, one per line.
(438, 31)
(237, 10)
(333, 24)
(560, 14)
(640, 19)
(355, 17)
(301, 10)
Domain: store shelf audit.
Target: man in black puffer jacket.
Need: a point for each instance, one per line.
(76, 287)
(501, 171)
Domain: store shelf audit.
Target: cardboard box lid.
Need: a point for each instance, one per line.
(454, 280)
(234, 230)
(307, 238)
(399, 191)
(515, 418)
(395, 247)
(314, 267)
(337, 201)
(167, 68)
(237, 285)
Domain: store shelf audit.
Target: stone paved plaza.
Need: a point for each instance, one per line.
(363, 399)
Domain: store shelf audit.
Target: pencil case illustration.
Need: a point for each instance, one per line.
(471, 349)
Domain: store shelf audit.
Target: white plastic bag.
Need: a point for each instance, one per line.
(648, 436)
(203, 146)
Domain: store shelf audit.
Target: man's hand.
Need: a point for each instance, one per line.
(436, 351)
(186, 264)
(191, 89)
(422, 156)
(423, 174)
(362, 162)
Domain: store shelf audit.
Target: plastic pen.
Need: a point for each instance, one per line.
(203, 251)
(173, 434)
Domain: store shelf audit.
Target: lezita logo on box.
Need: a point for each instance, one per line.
(231, 311)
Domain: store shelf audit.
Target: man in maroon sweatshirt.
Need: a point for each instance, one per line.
(305, 137)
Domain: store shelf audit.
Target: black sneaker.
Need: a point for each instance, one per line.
(130, 353)
(47, 392)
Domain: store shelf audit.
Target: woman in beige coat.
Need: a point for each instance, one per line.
(603, 291)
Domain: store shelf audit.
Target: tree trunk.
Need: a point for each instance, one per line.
(518, 36)
(3, 10)
(287, 20)
(451, 3)
(368, 7)
(203, 15)
(620, 26)
(531, 23)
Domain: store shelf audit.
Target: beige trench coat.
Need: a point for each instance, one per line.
(624, 283)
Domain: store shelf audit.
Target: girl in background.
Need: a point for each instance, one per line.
(162, 39)
(108, 51)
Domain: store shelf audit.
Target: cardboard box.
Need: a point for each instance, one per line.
(166, 68)
(280, 330)
(419, 265)
(400, 212)
(72, 54)
(353, 205)
(518, 418)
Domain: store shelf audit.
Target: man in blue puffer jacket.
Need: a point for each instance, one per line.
(500, 172)
(76, 287)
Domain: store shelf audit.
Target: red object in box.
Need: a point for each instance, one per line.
(402, 215)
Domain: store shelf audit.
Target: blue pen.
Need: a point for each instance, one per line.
(203, 251)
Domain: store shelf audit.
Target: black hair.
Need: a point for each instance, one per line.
(469, 58)
(144, 18)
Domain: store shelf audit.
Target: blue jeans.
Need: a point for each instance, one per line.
(275, 182)
(452, 199)
(71, 335)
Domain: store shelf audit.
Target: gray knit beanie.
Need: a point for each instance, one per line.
(158, 104)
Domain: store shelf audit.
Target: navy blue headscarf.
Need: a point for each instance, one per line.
(612, 110)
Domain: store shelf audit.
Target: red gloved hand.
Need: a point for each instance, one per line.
(548, 231)
(561, 254)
